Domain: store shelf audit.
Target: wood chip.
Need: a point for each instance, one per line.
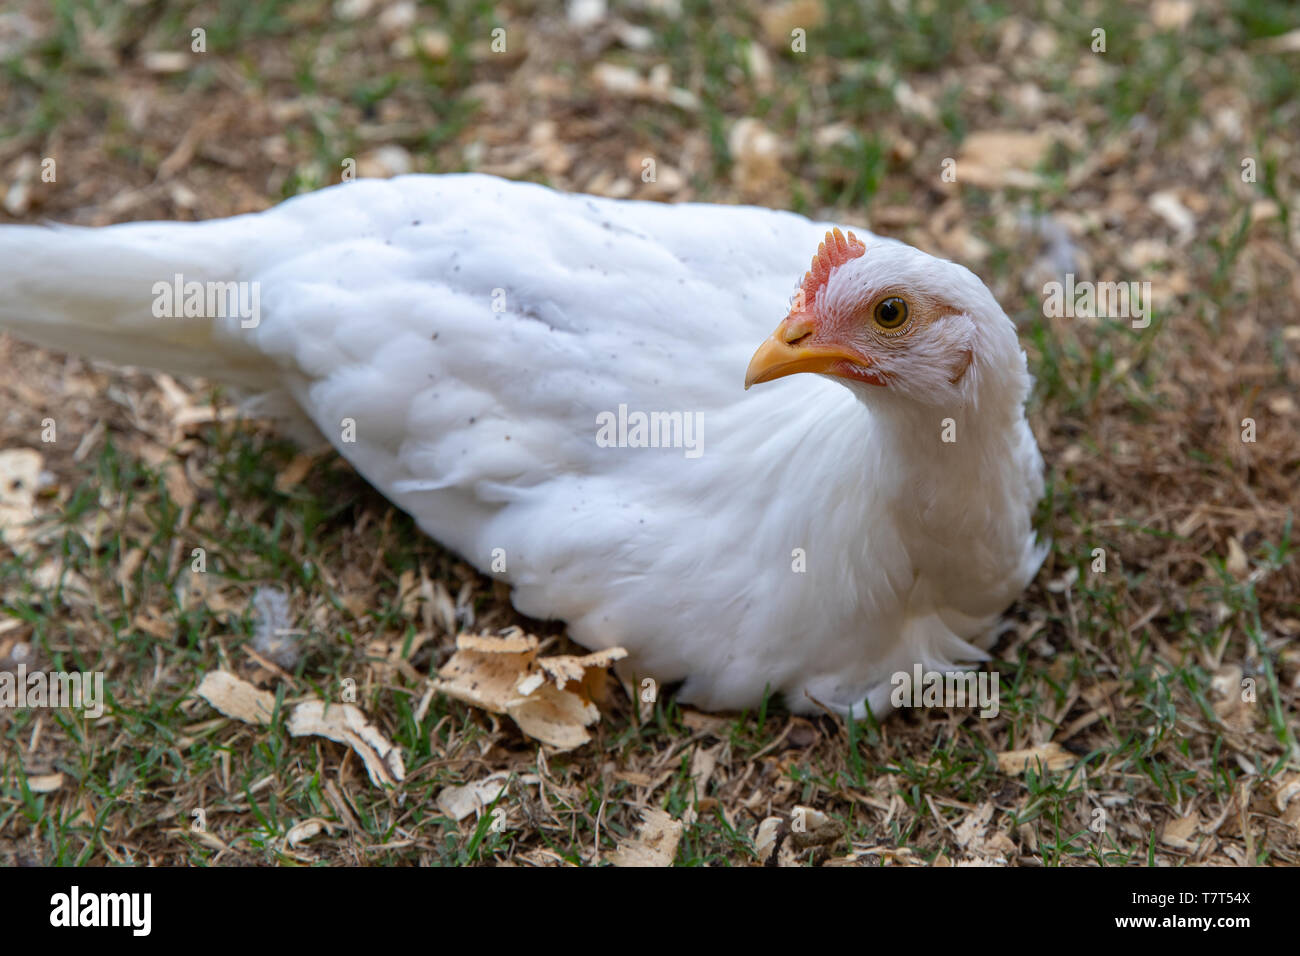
(294, 473)
(971, 830)
(45, 783)
(655, 843)
(237, 698)
(781, 20)
(766, 839)
(459, 802)
(304, 831)
(993, 159)
(1236, 562)
(1180, 833)
(346, 724)
(551, 699)
(20, 472)
(484, 670)
(1048, 756)
(557, 718)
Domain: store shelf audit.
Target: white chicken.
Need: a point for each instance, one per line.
(555, 387)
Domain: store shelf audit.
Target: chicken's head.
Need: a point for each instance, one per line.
(886, 317)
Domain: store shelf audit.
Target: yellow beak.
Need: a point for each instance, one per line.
(781, 355)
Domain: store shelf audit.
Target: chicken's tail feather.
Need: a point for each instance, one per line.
(159, 295)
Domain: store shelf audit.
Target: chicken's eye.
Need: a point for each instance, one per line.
(891, 313)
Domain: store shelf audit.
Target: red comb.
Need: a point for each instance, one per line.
(834, 251)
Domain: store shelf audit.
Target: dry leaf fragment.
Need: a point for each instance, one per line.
(178, 484)
(485, 669)
(434, 44)
(557, 718)
(1170, 208)
(1288, 789)
(1237, 563)
(294, 472)
(700, 722)
(971, 830)
(166, 61)
(767, 837)
(992, 159)
(20, 474)
(45, 783)
(1172, 14)
(1285, 43)
(1282, 405)
(1000, 843)
(409, 594)
(563, 668)
(237, 698)
(703, 763)
(346, 724)
(459, 802)
(1048, 756)
(810, 827)
(655, 843)
(1235, 711)
(384, 162)
(1180, 833)
(206, 837)
(304, 831)
(551, 698)
(779, 22)
(626, 81)
(617, 79)
(757, 154)
(515, 642)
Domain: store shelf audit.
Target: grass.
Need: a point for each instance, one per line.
(1136, 672)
